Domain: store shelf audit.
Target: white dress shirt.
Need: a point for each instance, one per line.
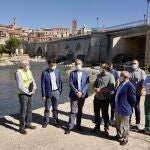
(79, 77)
(53, 80)
(146, 84)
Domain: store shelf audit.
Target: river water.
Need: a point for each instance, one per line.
(9, 103)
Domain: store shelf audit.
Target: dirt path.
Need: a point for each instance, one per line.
(53, 138)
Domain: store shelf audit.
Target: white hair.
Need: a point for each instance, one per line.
(24, 61)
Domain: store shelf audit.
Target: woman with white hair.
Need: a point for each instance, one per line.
(26, 89)
(125, 100)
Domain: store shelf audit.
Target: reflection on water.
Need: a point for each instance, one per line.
(9, 98)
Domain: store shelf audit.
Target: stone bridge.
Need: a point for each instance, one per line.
(93, 46)
(99, 46)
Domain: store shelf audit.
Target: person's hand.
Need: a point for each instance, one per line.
(44, 98)
(97, 90)
(139, 92)
(79, 94)
(33, 92)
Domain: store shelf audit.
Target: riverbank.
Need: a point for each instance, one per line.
(53, 138)
(9, 61)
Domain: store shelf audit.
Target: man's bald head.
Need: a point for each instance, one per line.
(125, 74)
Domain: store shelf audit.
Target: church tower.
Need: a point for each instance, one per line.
(74, 27)
(14, 23)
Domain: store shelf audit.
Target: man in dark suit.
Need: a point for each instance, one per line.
(79, 82)
(51, 87)
(125, 101)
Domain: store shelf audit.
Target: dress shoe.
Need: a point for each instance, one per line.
(22, 131)
(124, 142)
(30, 126)
(44, 125)
(68, 131)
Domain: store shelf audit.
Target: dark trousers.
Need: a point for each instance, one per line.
(112, 105)
(147, 112)
(54, 100)
(103, 106)
(137, 109)
(25, 110)
(76, 108)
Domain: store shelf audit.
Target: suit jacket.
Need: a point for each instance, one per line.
(46, 87)
(73, 82)
(125, 99)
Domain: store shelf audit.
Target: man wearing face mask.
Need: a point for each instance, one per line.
(51, 87)
(125, 100)
(26, 88)
(137, 78)
(103, 86)
(79, 82)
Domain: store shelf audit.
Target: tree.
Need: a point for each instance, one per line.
(12, 44)
(2, 49)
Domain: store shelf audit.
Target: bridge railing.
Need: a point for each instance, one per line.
(123, 26)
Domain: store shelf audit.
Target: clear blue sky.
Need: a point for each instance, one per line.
(59, 13)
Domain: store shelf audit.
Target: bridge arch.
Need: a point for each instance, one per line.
(39, 51)
(78, 47)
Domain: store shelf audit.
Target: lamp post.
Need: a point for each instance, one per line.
(148, 2)
(97, 22)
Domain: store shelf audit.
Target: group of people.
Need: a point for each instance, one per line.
(122, 92)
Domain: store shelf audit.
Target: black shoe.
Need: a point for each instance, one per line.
(23, 131)
(79, 128)
(96, 129)
(44, 125)
(30, 126)
(122, 143)
(68, 131)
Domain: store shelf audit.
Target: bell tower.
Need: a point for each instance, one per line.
(74, 27)
(14, 23)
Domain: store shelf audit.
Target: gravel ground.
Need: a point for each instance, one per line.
(53, 138)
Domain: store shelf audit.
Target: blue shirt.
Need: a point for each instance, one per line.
(115, 74)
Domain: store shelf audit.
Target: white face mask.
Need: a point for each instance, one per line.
(78, 67)
(27, 67)
(54, 67)
(134, 66)
(121, 79)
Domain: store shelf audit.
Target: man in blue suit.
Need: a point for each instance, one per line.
(51, 87)
(79, 83)
(125, 101)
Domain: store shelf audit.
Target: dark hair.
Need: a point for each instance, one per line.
(105, 66)
(50, 61)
